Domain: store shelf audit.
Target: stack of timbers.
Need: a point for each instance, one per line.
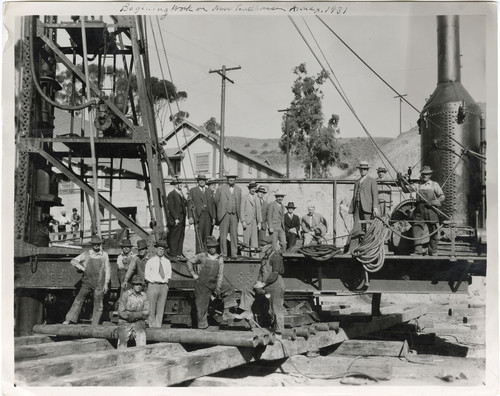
(172, 356)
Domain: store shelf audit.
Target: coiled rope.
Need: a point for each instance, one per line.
(319, 252)
(371, 251)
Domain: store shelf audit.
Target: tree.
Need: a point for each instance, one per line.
(212, 125)
(310, 141)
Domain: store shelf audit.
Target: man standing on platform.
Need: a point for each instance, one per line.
(75, 222)
(251, 217)
(202, 207)
(228, 201)
(207, 269)
(364, 204)
(275, 217)
(158, 272)
(138, 264)
(261, 190)
(176, 219)
(96, 276)
(61, 226)
(124, 259)
(292, 225)
(133, 310)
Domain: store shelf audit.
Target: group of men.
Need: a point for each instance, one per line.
(226, 206)
(145, 279)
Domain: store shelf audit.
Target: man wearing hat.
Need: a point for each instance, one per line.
(275, 218)
(123, 260)
(251, 216)
(96, 275)
(133, 310)
(138, 264)
(228, 201)
(314, 226)
(292, 225)
(384, 191)
(201, 210)
(364, 203)
(176, 219)
(261, 191)
(207, 269)
(269, 282)
(158, 272)
(429, 196)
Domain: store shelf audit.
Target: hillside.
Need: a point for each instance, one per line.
(268, 149)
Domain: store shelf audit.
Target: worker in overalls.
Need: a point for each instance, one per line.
(123, 261)
(207, 269)
(96, 275)
(269, 283)
(429, 196)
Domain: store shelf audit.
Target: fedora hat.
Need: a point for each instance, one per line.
(426, 170)
(381, 169)
(291, 205)
(137, 280)
(279, 194)
(96, 240)
(266, 240)
(126, 243)
(211, 241)
(363, 165)
(201, 176)
(231, 174)
(252, 184)
(142, 244)
(161, 243)
(211, 181)
(261, 189)
(175, 181)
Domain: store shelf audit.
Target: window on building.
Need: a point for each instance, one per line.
(107, 183)
(201, 163)
(176, 164)
(250, 169)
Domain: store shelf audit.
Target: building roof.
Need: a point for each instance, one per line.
(214, 138)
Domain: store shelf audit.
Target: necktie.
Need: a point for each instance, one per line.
(161, 271)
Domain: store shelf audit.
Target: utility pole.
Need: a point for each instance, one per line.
(222, 73)
(287, 131)
(400, 116)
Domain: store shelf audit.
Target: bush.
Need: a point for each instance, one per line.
(253, 151)
(247, 144)
(264, 152)
(265, 145)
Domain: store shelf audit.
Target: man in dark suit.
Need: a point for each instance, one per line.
(202, 211)
(176, 219)
(228, 203)
(261, 190)
(365, 203)
(292, 225)
(275, 217)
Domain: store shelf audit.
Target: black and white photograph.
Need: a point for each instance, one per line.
(250, 195)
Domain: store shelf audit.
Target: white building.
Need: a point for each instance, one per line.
(193, 150)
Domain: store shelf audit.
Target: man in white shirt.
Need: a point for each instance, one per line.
(61, 227)
(158, 272)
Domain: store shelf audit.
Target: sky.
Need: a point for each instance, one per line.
(402, 49)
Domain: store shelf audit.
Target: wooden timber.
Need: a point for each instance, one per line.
(373, 348)
(32, 371)
(50, 350)
(32, 340)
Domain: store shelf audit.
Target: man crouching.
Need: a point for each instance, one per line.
(133, 310)
(207, 269)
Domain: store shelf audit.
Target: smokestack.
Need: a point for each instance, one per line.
(448, 46)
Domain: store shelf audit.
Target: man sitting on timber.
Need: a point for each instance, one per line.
(269, 282)
(96, 275)
(207, 269)
(133, 310)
